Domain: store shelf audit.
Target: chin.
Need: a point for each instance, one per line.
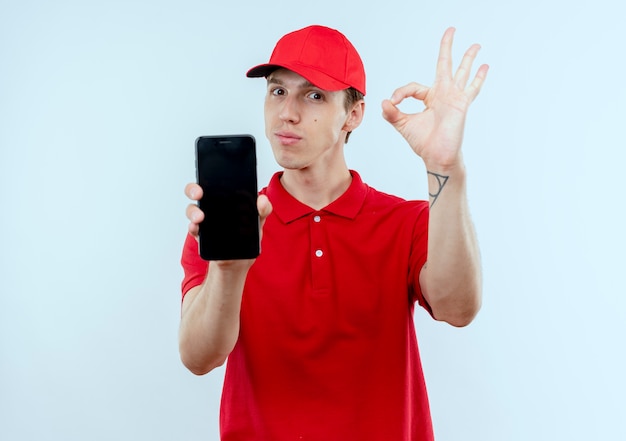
(290, 165)
(287, 161)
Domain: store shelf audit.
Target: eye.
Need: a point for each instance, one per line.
(277, 91)
(316, 96)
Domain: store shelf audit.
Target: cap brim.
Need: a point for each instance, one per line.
(262, 70)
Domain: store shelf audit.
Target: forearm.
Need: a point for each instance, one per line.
(210, 317)
(451, 279)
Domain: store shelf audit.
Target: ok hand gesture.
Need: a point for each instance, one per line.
(436, 133)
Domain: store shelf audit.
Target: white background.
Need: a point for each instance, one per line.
(100, 103)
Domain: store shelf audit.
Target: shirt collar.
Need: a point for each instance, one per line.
(288, 208)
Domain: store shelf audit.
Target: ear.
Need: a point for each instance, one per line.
(355, 116)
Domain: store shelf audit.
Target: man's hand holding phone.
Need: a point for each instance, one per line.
(195, 215)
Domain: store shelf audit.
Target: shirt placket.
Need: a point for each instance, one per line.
(320, 254)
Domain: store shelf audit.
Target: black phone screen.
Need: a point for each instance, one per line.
(226, 171)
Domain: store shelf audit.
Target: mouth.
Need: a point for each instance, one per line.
(287, 138)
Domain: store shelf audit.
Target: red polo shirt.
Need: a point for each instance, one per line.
(327, 348)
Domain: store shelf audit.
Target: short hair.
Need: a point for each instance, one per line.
(352, 96)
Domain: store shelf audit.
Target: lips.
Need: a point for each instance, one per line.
(287, 138)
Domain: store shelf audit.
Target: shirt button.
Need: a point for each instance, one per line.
(317, 219)
(319, 253)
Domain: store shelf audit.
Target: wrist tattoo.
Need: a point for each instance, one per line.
(441, 182)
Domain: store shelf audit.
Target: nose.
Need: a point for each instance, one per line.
(289, 111)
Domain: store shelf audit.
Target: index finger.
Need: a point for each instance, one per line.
(415, 90)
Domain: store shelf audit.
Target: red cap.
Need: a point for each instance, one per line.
(322, 55)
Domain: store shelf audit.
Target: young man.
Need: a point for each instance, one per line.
(318, 330)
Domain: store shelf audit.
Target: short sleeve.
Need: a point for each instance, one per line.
(195, 268)
(419, 254)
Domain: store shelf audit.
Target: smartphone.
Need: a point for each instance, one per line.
(226, 170)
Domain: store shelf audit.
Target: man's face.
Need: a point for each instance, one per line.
(306, 126)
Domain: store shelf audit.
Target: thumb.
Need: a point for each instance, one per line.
(264, 206)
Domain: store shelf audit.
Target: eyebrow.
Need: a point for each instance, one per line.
(303, 85)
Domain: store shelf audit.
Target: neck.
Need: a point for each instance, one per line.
(316, 188)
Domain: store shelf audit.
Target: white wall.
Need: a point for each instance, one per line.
(100, 103)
